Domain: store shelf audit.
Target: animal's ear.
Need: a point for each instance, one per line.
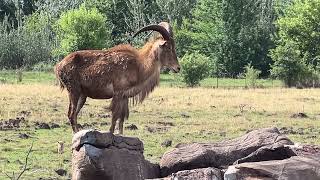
(163, 43)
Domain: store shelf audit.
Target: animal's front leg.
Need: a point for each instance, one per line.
(124, 113)
(113, 124)
(120, 111)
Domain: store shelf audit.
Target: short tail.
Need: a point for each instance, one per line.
(56, 71)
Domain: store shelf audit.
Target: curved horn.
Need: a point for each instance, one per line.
(167, 26)
(165, 34)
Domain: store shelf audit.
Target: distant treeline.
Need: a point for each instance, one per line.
(279, 38)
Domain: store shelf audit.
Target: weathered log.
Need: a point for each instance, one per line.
(294, 168)
(252, 147)
(105, 156)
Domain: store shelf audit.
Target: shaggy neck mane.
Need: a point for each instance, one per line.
(149, 74)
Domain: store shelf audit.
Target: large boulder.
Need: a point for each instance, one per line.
(294, 168)
(258, 145)
(102, 155)
(203, 174)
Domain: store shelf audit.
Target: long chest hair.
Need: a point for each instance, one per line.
(150, 73)
(138, 93)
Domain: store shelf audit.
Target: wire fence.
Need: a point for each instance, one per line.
(166, 80)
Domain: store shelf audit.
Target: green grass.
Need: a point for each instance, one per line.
(43, 158)
(199, 114)
(167, 80)
(29, 77)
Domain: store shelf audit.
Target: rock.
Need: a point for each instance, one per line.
(102, 155)
(223, 134)
(42, 125)
(185, 115)
(86, 126)
(104, 124)
(23, 136)
(287, 130)
(306, 150)
(150, 129)
(255, 146)
(132, 127)
(300, 131)
(11, 123)
(24, 113)
(166, 143)
(54, 126)
(294, 168)
(203, 174)
(165, 123)
(157, 129)
(104, 115)
(299, 115)
(269, 152)
(61, 172)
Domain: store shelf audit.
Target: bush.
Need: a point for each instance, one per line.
(11, 48)
(81, 29)
(195, 67)
(37, 48)
(23, 47)
(290, 67)
(297, 55)
(251, 75)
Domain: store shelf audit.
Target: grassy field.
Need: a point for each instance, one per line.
(172, 112)
(168, 80)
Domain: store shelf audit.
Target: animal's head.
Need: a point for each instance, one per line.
(165, 46)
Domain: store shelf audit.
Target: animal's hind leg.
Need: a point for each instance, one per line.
(115, 112)
(81, 101)
(72, 115)
(124, 113)
(69, 109)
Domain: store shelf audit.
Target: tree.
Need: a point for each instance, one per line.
(116, 12)
(207, 28)
(203, 33)
(248, 25)
(280, 6)
(139, 14)
(81, 29)
(232, 33)
(15, 10)
(55, 8)
(127, 16)
(299, 33)
(176, 10)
